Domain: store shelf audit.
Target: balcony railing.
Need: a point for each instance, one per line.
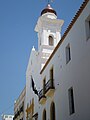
(41, 94)
(42, 97)
(49, 85)
(21, 109)
(48, 90)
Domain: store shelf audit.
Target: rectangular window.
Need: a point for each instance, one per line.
(87, 26)
(71, 101)
(6, 116)
(10, 116)
(51, 73)
(44, 82)
(68, 53)
(51, 81)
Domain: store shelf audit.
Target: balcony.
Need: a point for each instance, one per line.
(21, 109)
(49, 88)
(42, 97)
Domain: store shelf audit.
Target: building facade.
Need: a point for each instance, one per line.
(19, 106)
(7, 117)
(58, 73)
(48, 28)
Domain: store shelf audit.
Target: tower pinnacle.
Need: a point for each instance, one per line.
(49, 1)
(48, 9)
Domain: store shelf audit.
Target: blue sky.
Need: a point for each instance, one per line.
(17, 22)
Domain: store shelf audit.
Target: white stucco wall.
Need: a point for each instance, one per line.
(38, 58)
(75, 74)
(34, 70)
(7, 117)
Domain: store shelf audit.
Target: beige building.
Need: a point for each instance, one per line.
(19, 106)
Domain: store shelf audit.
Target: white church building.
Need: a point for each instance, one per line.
(58, 73)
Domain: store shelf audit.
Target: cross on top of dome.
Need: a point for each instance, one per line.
(49, 1)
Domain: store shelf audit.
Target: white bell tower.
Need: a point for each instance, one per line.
(48, 28)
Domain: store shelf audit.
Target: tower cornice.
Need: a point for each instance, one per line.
(48, 23)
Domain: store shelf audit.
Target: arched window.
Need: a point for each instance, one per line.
(51, 40)
(52, 111)
(44, 115)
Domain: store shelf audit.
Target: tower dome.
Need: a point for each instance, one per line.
(48, 9)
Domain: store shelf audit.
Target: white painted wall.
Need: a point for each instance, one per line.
(75, 74)
(7, 117)
(34, 70)
(47, 25)
(38, 58)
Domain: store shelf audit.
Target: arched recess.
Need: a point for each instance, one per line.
(44, 115)
(51, 40)
(52, 111)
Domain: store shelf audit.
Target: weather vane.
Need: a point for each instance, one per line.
(49, 1)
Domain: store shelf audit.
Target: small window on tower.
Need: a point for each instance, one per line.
(51, 41)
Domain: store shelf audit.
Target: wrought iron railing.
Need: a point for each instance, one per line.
(49, 85)
(41, 94)
(21, 109)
